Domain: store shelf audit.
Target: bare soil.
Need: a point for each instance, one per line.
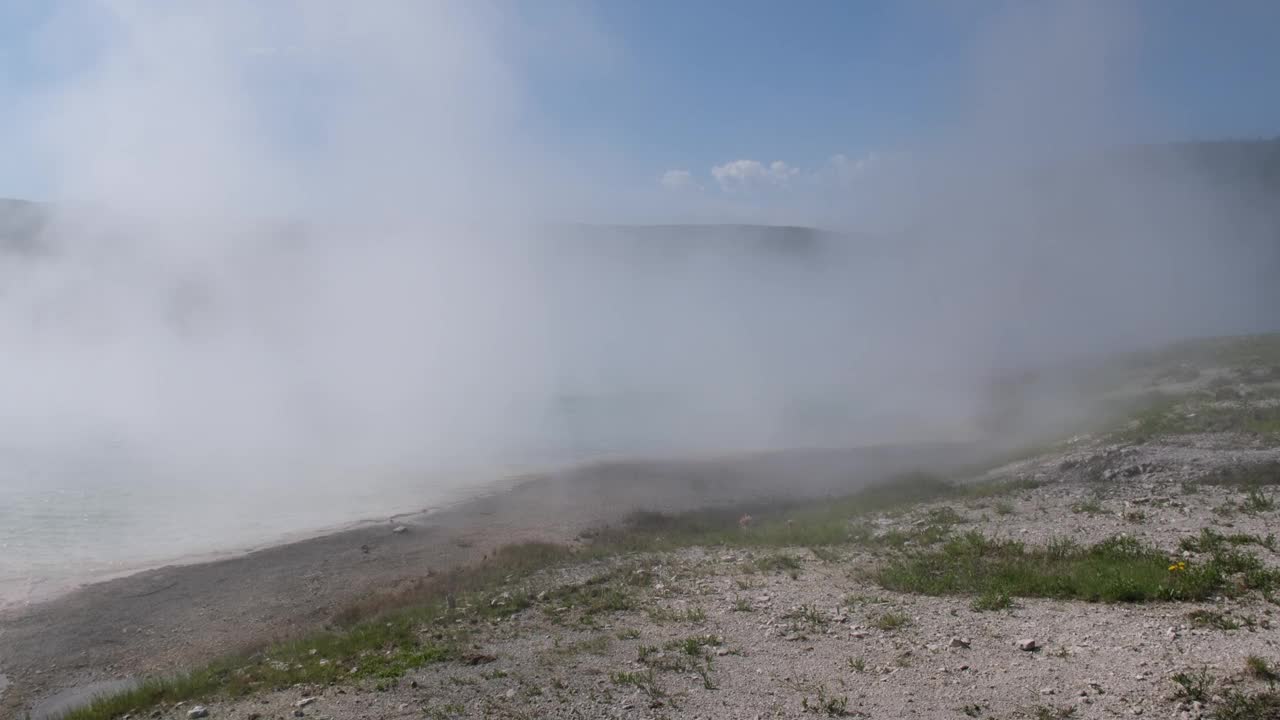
(711, 635)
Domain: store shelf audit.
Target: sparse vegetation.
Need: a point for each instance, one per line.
(1178, 416)
(1046, 712)
(1257, 501)
(1135, 516)
(991, 600)
(662, 615)
(1237, 705)
(777, 562)
(825, 704)
(1210, 541)
(891, 621)
(1088, 506)
(1212, 619)
(1194, 685)
(1259, 669)
(645, 681)
(693, 644)
(1244, 476)
(807, 616)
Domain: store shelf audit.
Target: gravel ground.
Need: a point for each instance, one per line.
(814, 640)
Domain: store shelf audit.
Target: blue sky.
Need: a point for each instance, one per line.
(623, 92)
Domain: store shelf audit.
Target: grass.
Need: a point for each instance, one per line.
(1210, 541)
(1090, 506)
(1118, 569)
(891, 621)
(662, 615)
(694, 644)
(824, 704)
(777, 563)
(1247, 476)
(598, 645)
(1212, 619)
(1237, 705)
(646, 681)
(1167, 416)
(1259, 669)
(1193, 685)
(1256, 502)
(807, 616)
(1045, 712)
(991, 600)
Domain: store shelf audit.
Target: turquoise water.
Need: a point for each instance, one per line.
(70, 518)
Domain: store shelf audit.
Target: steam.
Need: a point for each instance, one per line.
(314, 239)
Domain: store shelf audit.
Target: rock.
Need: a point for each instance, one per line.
(1028, 645)
(959, 642)
(299, 713)
(304, 702)
(510, 693)
(198, 711)
(400, 530)
(1047, 691)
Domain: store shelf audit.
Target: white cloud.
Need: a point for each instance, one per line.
(677, 180)
(745, 173)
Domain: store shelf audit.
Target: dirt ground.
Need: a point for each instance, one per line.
(711, 635)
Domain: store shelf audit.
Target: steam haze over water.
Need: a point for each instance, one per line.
(303, 264)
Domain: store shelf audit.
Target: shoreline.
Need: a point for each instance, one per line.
(152, 621)
(53, 588)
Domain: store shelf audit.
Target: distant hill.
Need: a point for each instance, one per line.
(1247, 170)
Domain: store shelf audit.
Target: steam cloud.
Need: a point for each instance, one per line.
(293, 239)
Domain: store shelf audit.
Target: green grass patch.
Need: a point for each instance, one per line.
(991, 600)
(891, 621)
(1212, 541)
(1256, 501)
(1194, 685)
(1177, 416)
(1119, 569)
